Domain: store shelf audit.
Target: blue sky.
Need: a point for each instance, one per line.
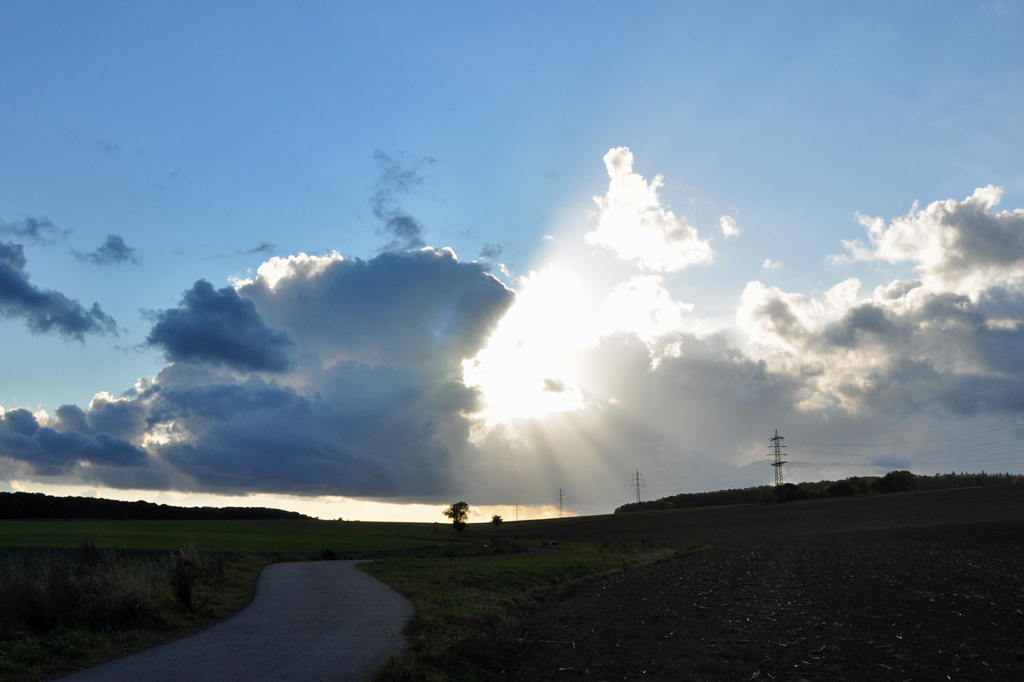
(209, 139)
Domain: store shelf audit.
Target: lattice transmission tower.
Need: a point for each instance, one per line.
(776, 453)
(638, 482)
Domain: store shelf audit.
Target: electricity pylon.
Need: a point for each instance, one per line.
(776, 453)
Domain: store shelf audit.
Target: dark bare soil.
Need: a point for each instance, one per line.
(919, 586)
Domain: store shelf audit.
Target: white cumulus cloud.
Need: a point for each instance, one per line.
(634, 225)
(959, 246)
(728, 225)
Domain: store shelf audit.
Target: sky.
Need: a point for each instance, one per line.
(366, 261)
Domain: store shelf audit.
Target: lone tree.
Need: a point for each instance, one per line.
(496, 520)
(458, 513)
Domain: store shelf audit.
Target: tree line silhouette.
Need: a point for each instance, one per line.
(892, 482)
(40, 506)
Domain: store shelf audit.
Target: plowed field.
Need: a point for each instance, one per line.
(920, 586)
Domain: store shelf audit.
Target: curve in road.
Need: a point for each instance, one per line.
(321, 621)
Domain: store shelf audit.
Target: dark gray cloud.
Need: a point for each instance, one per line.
(40, 231)
(113, 251)
(44, 311)
(219, 327)
(361, 431)
(404, 230)
(364, 432)
(491, 252)
(124, 419)
(420, 309)
(52, 452)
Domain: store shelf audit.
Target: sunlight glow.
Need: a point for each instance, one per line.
(528, 369)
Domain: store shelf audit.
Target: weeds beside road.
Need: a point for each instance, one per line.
(62, 611)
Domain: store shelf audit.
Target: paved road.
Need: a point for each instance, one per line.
(314, 622)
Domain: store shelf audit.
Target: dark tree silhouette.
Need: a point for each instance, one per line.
(496, 520)
(459, 514)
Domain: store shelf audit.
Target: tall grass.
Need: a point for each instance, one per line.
(103, 590)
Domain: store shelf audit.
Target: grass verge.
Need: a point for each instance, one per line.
(63, 611)
(470, 609)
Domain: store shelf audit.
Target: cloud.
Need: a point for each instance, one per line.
(43, 310)
(951, 340)
(420, 309)
(633, 225)
(901, 349)
(362, 431)
(105, 147)
(221, 328)
(491, 252)
(40, 231)
(959, 246)
(112, 251)
(405, 231)
(374, 404)
(769, 264)
(728, 225)
(413, 376)
(169, 182)
(53, 452)
(644, 307)
(262, 247)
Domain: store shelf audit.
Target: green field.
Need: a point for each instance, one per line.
(469, 600)
(263, 537)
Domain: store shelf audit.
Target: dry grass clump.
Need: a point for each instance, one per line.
(103, 590)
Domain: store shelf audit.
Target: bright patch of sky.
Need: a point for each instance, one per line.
(406, 254)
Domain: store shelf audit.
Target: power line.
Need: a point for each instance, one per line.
(561, 499)
(905, 430)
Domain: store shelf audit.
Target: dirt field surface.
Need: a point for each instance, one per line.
(920, 586)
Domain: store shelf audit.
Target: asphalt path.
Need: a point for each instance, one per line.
(323, 621)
